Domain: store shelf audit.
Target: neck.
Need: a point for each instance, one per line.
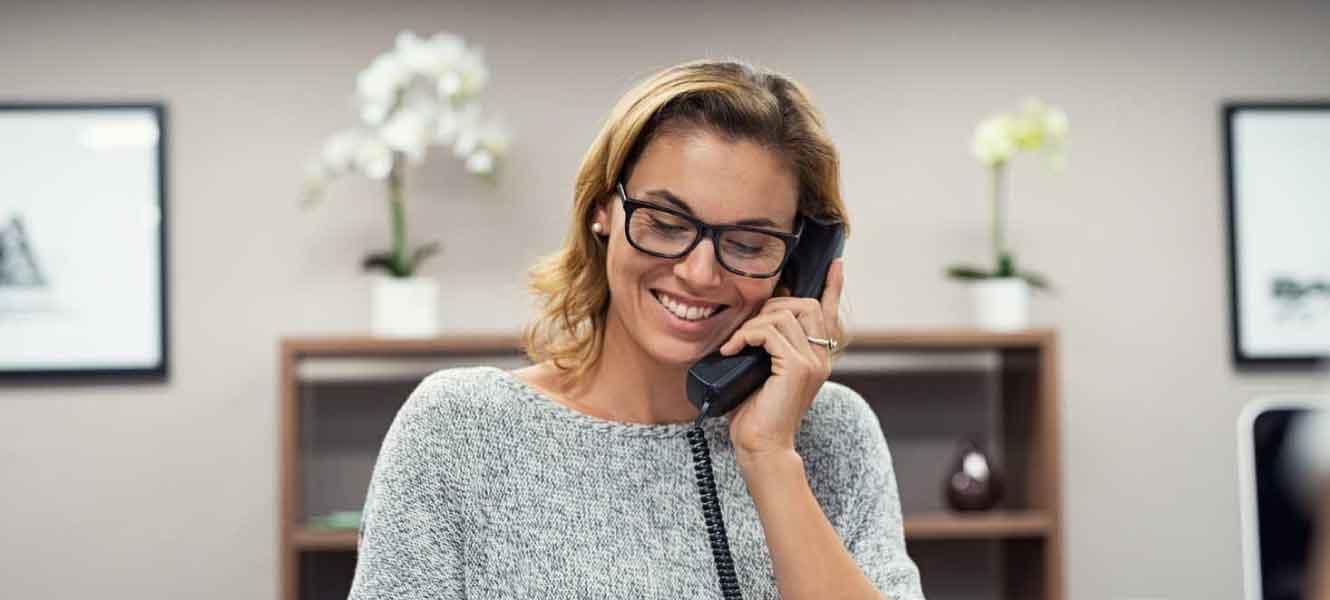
(629, 385)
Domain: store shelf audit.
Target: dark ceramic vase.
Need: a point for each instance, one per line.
(973, 481)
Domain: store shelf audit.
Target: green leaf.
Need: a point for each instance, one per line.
(967, 272)
(387, 262)
(1006, 266)
(423, 252)
(378, 260)
(1035, 280)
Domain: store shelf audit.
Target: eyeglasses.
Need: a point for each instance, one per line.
(668, 233)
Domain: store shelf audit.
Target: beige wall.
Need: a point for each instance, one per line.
(168, 491)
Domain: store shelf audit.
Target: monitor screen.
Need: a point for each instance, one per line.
(1278, 499)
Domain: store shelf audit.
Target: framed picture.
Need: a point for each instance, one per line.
(83, 241)
(1278, 182)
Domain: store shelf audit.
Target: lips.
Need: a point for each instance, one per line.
(688, 310)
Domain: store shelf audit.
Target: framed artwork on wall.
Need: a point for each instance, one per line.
(83, 241)
(1277, 157)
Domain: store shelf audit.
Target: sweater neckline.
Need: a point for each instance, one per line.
(548, 405)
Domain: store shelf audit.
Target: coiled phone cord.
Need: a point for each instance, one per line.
(706, 487)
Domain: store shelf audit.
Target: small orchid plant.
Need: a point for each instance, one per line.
(420, 93)
(1037, 127)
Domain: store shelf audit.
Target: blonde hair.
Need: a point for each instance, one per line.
(732, 99)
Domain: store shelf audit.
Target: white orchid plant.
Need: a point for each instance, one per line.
(997, 139)
(421, 93)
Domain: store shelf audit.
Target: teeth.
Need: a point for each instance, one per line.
(683, 311)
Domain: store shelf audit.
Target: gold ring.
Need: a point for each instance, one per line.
(829, 344)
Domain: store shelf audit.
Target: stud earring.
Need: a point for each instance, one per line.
(597, 228)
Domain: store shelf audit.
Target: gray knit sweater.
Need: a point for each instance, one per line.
(487, 488)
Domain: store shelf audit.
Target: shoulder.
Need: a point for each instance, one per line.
(843, 448)
(457, 388)
(442, 416)
(841, 434)
(839, 411)
(447, 397)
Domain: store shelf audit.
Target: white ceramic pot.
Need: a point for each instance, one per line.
(1001, 304)
(404, 306)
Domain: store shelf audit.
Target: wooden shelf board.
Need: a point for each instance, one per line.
(983, 525)
(874, 361)
(323, 539)
(950, 338)
(380, 347)
(927, 526)
(937, 339)
(343, 369)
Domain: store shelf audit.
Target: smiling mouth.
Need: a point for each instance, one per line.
(685, 312)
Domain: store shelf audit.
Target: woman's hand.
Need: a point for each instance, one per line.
(768, 420)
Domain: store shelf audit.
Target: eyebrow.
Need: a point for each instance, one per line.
(678, 202)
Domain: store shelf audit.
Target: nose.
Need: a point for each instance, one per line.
(700, 267)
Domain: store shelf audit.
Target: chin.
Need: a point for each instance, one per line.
(678, 353)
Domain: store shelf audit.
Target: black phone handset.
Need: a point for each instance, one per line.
(718, 383)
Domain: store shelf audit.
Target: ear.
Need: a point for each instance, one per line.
(602, 214)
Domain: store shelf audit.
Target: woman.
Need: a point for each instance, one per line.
(572, 478)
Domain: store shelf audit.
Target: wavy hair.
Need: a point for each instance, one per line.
(732, 99)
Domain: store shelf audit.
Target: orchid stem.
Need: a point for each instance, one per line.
(396, 204)
(999, 244)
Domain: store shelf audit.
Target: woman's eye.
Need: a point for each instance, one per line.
(666, 227)
(744, 249)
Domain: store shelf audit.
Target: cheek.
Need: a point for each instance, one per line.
(625, 265)
(755, 293)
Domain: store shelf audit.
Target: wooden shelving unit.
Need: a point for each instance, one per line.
(928, 387)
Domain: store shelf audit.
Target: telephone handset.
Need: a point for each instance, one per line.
(718, 383)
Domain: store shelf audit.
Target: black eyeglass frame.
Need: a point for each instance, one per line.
(707, 230)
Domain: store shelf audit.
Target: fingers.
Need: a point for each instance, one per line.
(807, 310)
(765, 334)
(795, 330)
(782, 322)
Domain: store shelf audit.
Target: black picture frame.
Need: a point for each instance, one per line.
(1242, 237)
(137, 365)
